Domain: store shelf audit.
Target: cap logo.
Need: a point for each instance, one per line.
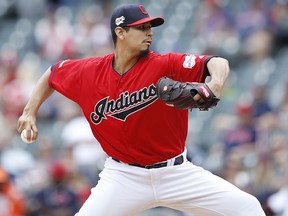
(142, 9)
(119, 20)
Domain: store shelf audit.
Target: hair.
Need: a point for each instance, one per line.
(144, 53)
(114, 36)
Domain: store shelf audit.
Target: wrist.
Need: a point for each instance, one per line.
(216, 87)
(29, 110)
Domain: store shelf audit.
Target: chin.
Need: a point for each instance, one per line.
(144, 53)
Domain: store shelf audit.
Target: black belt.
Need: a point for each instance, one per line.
(178, 160)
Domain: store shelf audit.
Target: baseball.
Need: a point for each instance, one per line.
(24, 136)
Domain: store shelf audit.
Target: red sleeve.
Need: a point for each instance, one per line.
(66, 78)
(189, 67)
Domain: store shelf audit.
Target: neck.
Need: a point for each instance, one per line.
(124, 60)
(122, 64)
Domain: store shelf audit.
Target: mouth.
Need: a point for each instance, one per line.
(148, 42)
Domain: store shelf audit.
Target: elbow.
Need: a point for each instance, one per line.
(219, 70)
(226, 66)
(219, 64)
(224, 62)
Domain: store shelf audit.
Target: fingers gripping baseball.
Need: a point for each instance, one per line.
(26, 126)
(27, 135)
(185, 95)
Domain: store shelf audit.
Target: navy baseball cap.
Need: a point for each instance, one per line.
(132, 15)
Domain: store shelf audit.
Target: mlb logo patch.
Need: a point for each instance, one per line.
(119, 20)
(189, 61)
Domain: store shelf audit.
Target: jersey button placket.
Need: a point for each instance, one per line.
(120, 83)
(125, 127)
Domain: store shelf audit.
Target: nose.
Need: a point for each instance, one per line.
(150, 32)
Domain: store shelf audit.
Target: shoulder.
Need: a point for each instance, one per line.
(95, 59)
(99, 59)
(79, 64)
(166, 56)
(96, 65)
(156, 57)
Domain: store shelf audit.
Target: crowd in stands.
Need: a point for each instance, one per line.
(244, 139)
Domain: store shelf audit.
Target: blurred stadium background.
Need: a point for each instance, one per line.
(244, 139)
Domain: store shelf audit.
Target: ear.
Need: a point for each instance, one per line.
(120, 32)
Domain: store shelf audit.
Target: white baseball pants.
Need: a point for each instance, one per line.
(125, 190)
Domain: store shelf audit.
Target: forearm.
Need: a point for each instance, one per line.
(40, 93)
(219, 71)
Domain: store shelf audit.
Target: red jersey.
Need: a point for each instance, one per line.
(123, 111)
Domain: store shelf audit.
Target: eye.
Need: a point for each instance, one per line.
(143, 28)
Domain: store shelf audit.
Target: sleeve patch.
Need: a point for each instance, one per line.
(189, 61)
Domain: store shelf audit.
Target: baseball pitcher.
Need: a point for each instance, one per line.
(136, 102)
